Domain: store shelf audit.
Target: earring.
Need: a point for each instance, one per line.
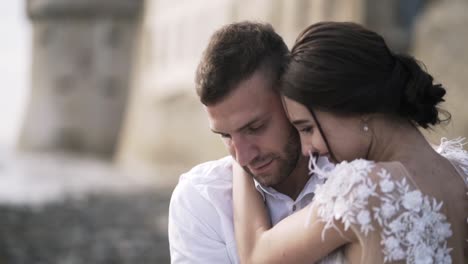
(365, 127)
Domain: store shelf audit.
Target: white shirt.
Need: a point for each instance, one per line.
(201, 228)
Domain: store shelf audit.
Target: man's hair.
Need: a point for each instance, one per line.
(233, 54)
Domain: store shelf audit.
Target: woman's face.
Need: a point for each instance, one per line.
(346, 136)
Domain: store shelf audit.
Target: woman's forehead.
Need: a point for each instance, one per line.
(295, 110)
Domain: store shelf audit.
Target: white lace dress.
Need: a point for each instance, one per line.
(394, 220)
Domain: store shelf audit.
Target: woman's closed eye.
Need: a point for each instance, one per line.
(306, 129)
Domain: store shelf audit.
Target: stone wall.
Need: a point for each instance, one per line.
(81, 65)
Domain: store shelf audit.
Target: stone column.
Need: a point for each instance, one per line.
(166, 126)
(82, 54)
(393, 19)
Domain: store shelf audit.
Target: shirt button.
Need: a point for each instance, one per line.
(294, 208)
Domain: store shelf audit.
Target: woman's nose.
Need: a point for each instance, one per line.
(307, 149)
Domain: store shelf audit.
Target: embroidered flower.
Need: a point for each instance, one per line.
(340, 208)
(413, 237)
(388, 210)
(443, 230)
(364, 217)
(391, 243)
(442, 255)
(363, 191)
(392, 249)
(396, 226)
(364, 220)
(420, 226)
(398, 254)
(386, 185)
(412, 200)
(423, 255)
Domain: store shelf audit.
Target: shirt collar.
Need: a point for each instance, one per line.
(263, 190)
(309, 187)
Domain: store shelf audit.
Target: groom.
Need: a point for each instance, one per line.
(236, 81)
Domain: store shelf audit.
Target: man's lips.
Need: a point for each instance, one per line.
(262, 165)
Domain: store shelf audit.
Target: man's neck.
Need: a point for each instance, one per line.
(295, 182)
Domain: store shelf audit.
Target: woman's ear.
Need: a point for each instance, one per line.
(366, 117)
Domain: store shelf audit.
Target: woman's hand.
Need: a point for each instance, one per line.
(290, 241)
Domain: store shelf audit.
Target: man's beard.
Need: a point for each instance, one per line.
(287, 160)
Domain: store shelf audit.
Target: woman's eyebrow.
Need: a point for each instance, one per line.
(298, 122)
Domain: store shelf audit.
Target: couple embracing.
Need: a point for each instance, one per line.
(327, 163)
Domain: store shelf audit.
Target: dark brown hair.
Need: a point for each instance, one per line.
(346, 69)
(233, 54)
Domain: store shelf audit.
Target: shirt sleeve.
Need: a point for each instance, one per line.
(194, 228)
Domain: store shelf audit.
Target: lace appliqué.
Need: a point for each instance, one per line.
(345, 195)
(413, 229)
(412, 226)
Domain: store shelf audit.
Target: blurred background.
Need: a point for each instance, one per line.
(100, 117)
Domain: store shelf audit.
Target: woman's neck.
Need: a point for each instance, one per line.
(395, 139)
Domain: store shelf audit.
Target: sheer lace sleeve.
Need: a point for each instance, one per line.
(385, 208)
(344, 195)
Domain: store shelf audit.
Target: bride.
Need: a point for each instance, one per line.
(391, 197)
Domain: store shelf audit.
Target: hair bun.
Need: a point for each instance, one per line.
(420, 96)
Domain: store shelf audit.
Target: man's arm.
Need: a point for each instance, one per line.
(194, 228)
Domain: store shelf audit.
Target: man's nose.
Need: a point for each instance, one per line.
(245, 151)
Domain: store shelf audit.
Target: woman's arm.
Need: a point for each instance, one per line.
(290, 241)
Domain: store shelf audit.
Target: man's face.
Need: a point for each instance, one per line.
(256, 131)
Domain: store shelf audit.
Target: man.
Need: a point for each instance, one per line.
(236, 81)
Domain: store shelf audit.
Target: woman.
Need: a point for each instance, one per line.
(391, 197)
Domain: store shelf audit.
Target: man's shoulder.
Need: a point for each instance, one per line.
(210, 181)
(200, 215)
(204, 193)
(208, 172)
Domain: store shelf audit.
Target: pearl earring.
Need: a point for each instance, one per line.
(365, 128)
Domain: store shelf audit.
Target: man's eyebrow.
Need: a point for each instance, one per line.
(216, 132)
(255, 120)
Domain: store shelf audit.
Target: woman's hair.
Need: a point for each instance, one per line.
(344, 68)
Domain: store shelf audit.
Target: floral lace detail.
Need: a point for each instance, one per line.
(412, 226)
(413, 229)
(345, 195)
